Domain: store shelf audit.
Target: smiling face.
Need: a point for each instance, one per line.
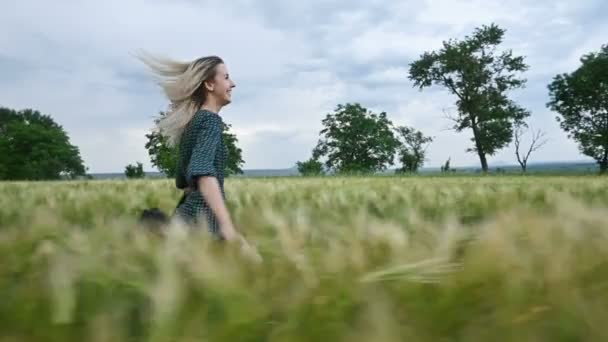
(219, 89)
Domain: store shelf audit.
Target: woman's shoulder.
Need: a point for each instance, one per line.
(207, 118)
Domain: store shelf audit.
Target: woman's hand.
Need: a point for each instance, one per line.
(250, 251)
(229, 233)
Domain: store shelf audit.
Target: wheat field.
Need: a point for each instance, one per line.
(506, 258)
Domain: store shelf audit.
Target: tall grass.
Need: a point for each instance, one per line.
(345, 259)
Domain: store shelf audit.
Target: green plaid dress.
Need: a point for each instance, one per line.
(201, 153)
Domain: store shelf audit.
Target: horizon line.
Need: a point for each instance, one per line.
(580, 161)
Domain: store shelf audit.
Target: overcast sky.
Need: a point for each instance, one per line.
(292, 61)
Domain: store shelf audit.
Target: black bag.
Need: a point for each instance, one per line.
(153, 219)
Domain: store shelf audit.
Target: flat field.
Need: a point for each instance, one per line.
(492, 258)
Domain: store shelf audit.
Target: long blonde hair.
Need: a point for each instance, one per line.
(183, 84)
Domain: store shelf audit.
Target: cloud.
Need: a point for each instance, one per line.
(292, 62)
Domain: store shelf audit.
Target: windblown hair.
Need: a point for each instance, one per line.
(183, 84)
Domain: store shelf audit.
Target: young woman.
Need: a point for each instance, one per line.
(197, 92)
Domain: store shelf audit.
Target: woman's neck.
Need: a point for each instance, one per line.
(211, 106)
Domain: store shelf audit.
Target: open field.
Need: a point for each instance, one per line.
(345, 259)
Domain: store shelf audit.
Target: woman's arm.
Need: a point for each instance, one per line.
(210, 189)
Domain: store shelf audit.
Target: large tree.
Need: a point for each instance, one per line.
(480, 78)
(34, 147)
(235, 154)
(356, 140)
(581, 99)
(412, 152)
(164, 157)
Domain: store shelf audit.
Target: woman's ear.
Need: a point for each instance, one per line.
(209, 85)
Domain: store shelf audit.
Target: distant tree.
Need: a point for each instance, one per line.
(523, 155)
(164, 157)
(412, 151)
(581, 99)
(34, 147)
(479, 77)
(311, 167)
(235, 154)
(134, 171)
(446, 167)
(356, 140)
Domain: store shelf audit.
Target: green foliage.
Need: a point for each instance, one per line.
(356, 140)
(235, 160)
(412, 151)
(135, 171)
(311, 167)
(164, 157)
(345, 259)
(581, 99)
(34, 147)
(479, 77)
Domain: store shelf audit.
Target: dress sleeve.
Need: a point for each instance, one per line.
(203, 153)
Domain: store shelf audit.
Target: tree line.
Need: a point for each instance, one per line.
(356, 140)
(479, 77)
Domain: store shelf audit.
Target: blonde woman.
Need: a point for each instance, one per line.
(197, 92)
